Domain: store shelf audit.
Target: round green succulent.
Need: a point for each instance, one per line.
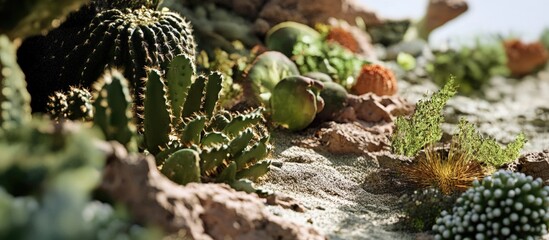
(506, 205)
(422, 208)
(285, 35)
(121, 4)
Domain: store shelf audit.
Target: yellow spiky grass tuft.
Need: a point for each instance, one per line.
(449, 173)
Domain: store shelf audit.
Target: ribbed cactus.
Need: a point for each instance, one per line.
(507, 205)
(181, 122)
(24, 18)
(112, 109)
(76, 104)
(14, 98)
(78, 51)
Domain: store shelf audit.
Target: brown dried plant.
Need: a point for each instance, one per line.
(450, 173)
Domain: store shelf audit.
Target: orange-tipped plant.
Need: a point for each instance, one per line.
(450, 173)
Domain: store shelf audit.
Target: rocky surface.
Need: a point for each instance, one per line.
(195, 211)
(353, 193)
(535, 164)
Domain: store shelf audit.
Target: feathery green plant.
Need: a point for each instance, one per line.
(487, 150)
(424, 126)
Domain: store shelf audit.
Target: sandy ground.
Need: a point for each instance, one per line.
(337, 190)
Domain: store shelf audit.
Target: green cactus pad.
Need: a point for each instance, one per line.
(113, 110)
(157, 115)
(183, 167)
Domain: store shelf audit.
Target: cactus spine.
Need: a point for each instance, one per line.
(14, 98)
(76, 104)
(178, 128)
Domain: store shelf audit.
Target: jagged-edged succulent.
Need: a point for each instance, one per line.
(47, 177)
(76, 104)
(472, 66)
(25, 18)
(191, 139)
(422, 207)
(266, 71)
(295, 101)
(506, 205)
(76, 53)
(14, 98)
(284, 36)
(424, 126)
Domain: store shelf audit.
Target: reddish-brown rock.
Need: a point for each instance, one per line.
(523, 58)
(195, 211)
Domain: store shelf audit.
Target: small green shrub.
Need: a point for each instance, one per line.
(487, 150)
(327, 57)
(423, 127)
(473, 66)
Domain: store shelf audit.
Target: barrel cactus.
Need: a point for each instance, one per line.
(507, 205)
(193, 140)
(126, 37)
(14, 98)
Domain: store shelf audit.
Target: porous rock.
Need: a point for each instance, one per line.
(196, 211)
(535, 164)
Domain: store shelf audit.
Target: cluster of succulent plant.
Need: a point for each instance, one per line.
(312, 52)
(192, 140)
(424, 126)
(216, 27)
(472, 66)
(422, 207)
(506, 205)
(119, 34)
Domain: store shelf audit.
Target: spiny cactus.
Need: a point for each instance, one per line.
(112, 109)
(25, 18)
(377, 79)
(507, 205)
(77, 52)
(194, 141)
(76, 104)
(14, 98)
